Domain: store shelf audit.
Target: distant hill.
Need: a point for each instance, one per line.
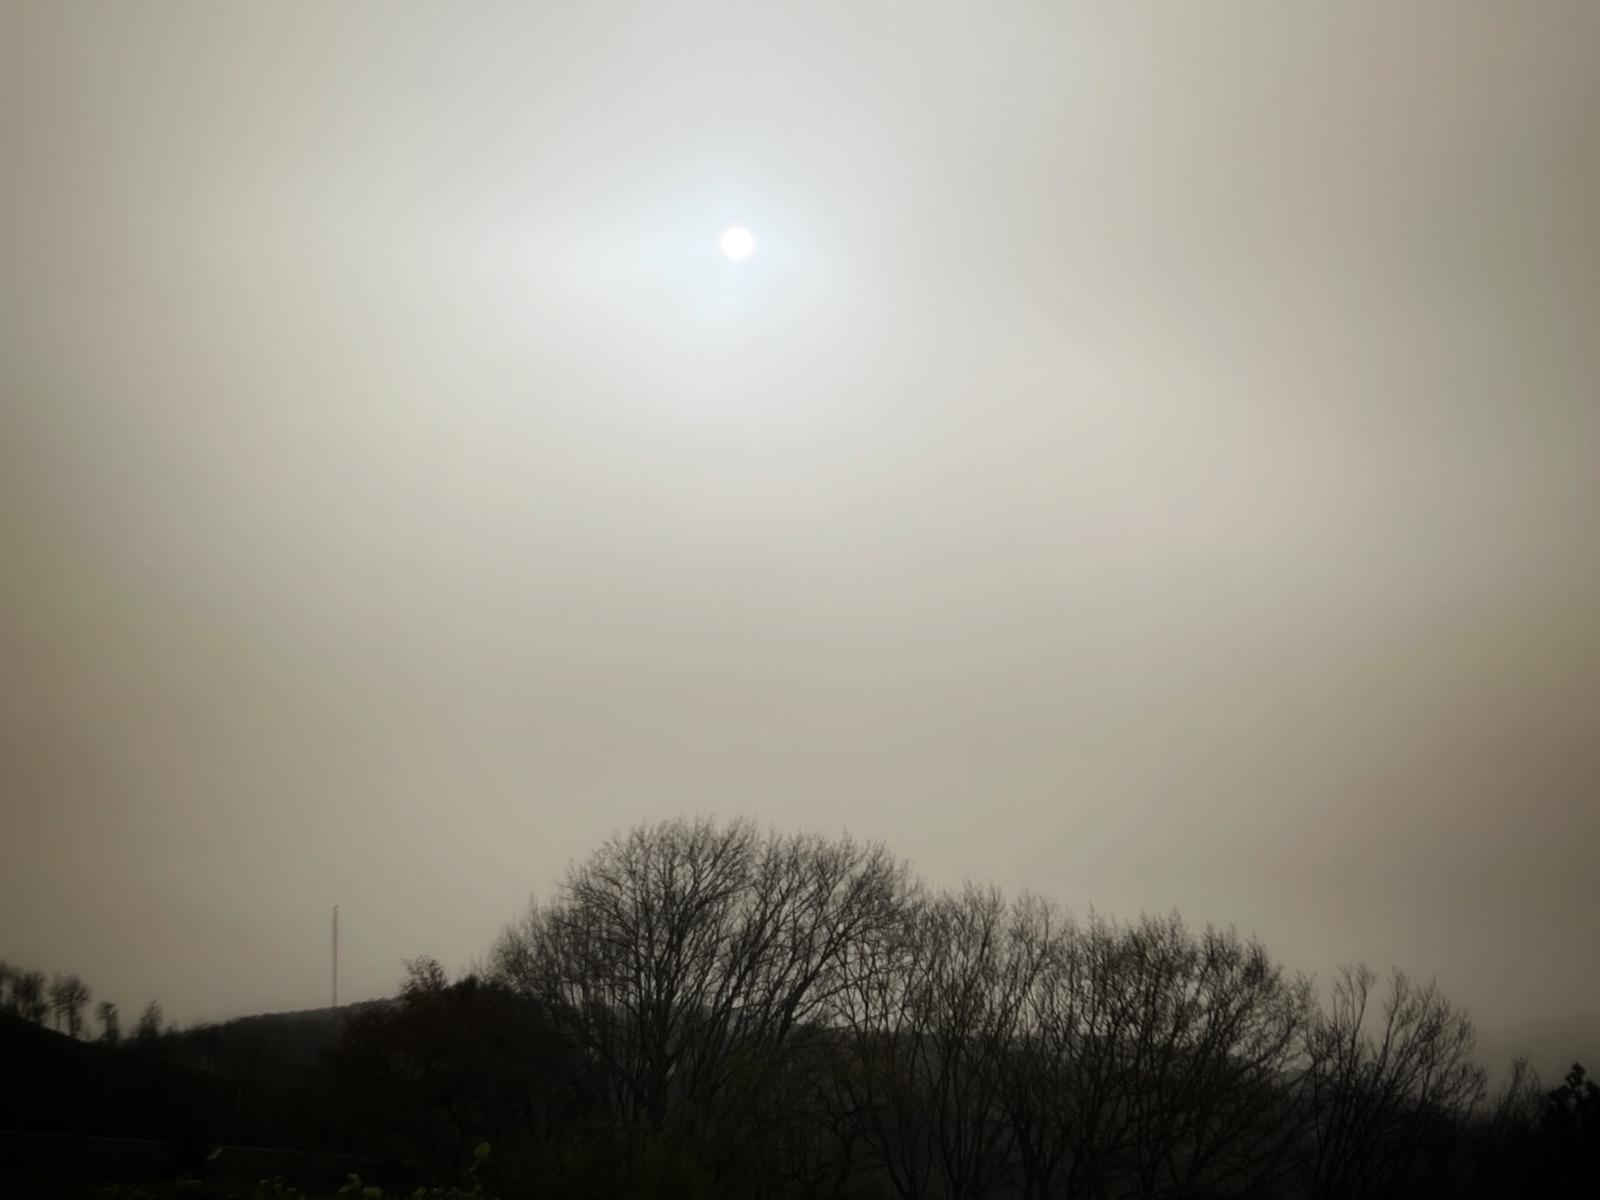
(76, 1115)
(1551, 1046)
(246, 1081)
(291, 1041)
(54, 1084)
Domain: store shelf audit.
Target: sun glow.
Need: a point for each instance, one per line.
(738, 243)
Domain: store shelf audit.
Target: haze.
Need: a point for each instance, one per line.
(1151, 459)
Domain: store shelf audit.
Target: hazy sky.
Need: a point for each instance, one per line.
(1152, 457)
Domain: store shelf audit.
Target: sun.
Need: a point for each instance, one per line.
(738, 243)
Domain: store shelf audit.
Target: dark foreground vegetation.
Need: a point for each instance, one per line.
(707, 1010)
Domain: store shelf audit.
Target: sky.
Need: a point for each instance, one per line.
(1152, 458)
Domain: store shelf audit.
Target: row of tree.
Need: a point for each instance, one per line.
(27, 994)
(709, 1009)
(706, 1009)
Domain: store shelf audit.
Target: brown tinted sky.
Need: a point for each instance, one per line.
(1153, 457)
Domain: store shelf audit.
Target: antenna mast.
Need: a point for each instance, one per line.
(335, 956)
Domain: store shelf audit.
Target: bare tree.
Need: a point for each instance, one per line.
(1065, 1081)
(956, 1082)
(1083, 1011)
(1209, 1056)
(879, 1086)
(1389, 1089)
(59, 991)
(751, 1005)
(149, 1027)
(68, 997)
(106, 1013)
(78, 998)
(687, 957)
(1031, 1075)
(915, 1017)
(1145, 1060)
(29, 996)
(967, 999)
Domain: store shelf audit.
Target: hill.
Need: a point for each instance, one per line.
(55, 1084)
(244, 1082)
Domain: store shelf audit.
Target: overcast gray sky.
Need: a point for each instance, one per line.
(1152, 457)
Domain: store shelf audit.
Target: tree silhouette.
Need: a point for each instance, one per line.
(798, 1009)
(709, 1009)
(686, 959)
(1572, 1111)
(1390, 1085)
(149, 1027)
(68, 997)
(29, 995)
(450, 1065)
(106, 1013)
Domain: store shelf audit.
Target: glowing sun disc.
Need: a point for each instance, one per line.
(737, 243)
